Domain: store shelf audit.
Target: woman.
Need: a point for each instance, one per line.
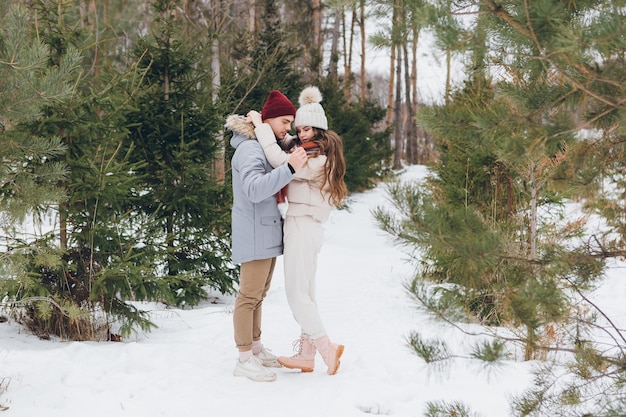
(314, 191)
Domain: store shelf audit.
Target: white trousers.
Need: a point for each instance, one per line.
(303, 237)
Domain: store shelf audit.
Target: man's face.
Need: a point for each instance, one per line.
(280, 125)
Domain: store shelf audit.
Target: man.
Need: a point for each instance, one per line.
(257, 227)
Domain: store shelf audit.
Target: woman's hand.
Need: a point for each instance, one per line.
(254, 117)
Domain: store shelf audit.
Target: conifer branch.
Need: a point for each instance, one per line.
(601, 312)
(499, 11)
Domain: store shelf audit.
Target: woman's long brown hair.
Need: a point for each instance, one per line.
(331, 145)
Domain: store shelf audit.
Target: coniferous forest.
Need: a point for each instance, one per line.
(114, 167)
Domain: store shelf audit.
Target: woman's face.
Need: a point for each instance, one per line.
(305, 133)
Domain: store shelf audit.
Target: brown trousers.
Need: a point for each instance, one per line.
(254, 283)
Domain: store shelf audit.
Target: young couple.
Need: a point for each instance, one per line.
(310, 168)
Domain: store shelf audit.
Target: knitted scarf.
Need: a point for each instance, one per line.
(310, 147)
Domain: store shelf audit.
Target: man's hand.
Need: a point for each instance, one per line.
(297, 158)
(254, 117)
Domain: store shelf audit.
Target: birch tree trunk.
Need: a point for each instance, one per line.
(219, 164)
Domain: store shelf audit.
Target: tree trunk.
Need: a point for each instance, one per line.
(334, 48)
(397, 130)
(534, 195)
(392, 71)
(316, 47)
(252, 16)
(348, 51)
(416, 34)
(421, 138)
(448, 65)
(410, 129)
(363, 48)
(63, 222)
(219, 164)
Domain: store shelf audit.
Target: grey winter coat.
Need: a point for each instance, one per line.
(257, 227)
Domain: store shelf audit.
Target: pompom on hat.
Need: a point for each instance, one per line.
(276, 105)
(311, 113)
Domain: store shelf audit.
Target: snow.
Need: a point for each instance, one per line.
(184, 367)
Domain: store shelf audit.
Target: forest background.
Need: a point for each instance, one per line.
(114, 168)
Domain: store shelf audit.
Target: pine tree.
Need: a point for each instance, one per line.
(28, 173)
(489, 230)
(32, 162)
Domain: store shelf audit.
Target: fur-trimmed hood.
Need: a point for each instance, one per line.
(238, 124)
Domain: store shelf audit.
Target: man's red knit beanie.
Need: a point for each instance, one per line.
(277, 105)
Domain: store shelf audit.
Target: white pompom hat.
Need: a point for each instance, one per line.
(311, 112)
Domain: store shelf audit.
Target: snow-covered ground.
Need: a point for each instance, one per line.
(184, 367)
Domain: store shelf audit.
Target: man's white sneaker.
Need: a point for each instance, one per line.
(253, 369)
(268, 359)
